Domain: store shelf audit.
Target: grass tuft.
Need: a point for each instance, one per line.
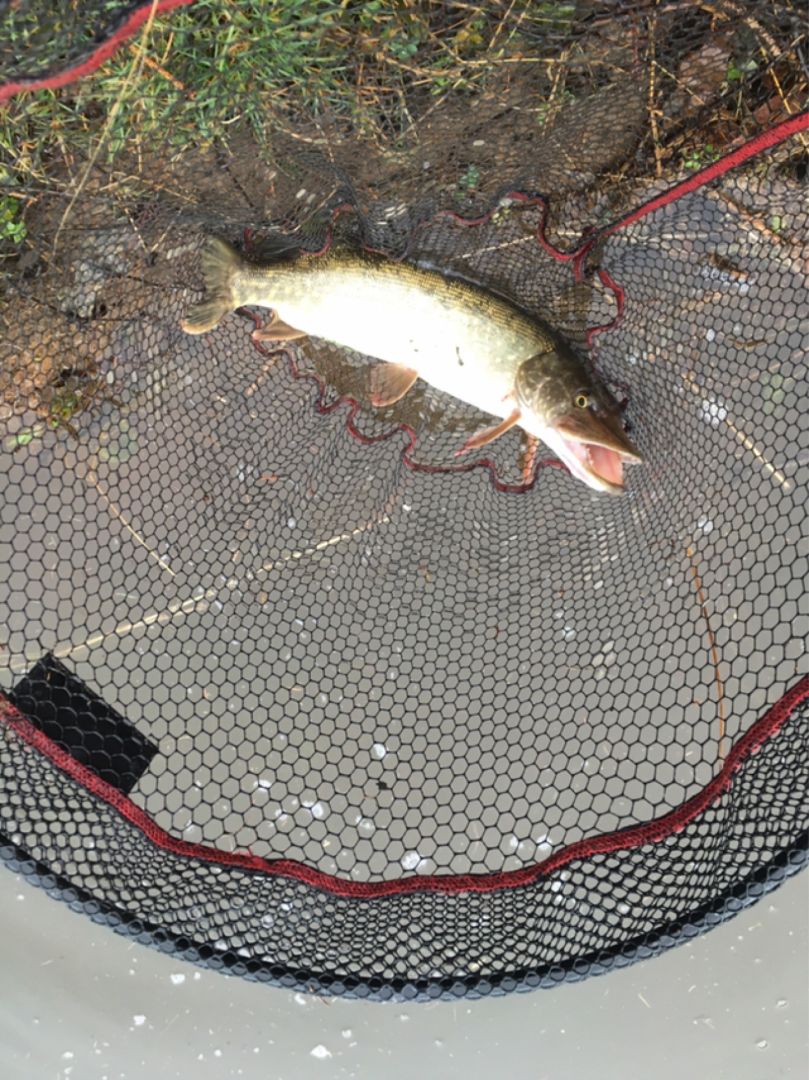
(191, 75)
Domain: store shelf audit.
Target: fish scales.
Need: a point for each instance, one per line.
(416, 321)
(450, 332)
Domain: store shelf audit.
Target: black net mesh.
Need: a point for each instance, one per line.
(289, 687)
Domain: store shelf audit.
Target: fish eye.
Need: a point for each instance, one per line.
(582, 400)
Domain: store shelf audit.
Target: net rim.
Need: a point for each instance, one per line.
(656, 831)
(726, 905)
(130, 21)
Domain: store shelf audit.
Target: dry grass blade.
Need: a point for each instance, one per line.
(129, 83)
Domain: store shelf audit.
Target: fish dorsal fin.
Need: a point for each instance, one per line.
(275, 247)
(388, 383)
(568, 310)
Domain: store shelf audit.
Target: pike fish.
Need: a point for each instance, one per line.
(417, 322)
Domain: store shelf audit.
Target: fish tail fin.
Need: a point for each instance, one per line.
(220, 263)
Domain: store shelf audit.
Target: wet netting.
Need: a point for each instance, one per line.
(288, 686)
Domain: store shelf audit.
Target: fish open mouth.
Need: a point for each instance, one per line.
(594, 447)
(598, 462)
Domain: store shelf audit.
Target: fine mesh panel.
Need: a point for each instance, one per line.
(448, 695)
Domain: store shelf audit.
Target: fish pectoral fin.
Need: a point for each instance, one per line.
(277, 330)
(489, 434)
(389, 383)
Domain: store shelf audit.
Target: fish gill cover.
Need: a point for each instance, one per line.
(287, 685)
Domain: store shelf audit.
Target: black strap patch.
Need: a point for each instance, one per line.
(81, 723)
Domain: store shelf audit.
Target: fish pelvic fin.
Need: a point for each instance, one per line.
(220, 262)
(389, 383)
(277, 330)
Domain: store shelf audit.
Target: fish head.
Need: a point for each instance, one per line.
(576, 417)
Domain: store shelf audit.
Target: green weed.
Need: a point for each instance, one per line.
(698, 157)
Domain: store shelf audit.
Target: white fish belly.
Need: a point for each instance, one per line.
(466, 354)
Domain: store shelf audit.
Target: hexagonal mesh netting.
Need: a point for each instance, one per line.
(287, 686)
